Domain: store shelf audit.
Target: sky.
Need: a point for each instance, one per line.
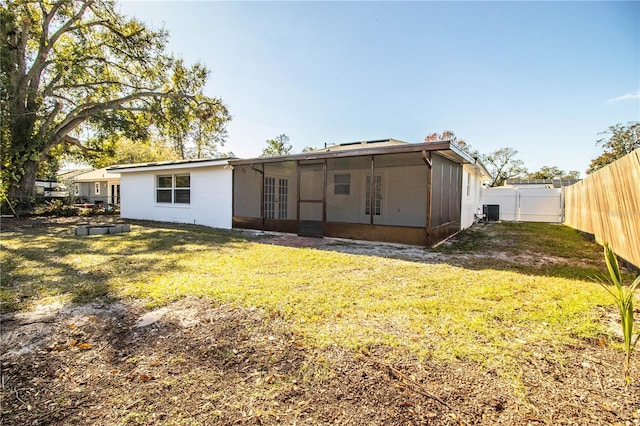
(544, 78)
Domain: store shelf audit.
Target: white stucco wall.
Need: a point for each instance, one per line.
(471, 191)
(210, 203)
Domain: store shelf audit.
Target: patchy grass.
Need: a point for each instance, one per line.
(477, 310)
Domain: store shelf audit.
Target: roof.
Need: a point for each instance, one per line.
(481, 168)
(96, 175)
(361, 144)
(169, 165)
(551, 183)
(70, 174)
(380, 147)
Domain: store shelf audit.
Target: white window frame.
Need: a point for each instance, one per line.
(173, 189)
(342, 184)
(97, 188)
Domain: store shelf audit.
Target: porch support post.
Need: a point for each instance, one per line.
(428, 160)
(261, 192)
(325, 184)
(298, 194)
(372, 201)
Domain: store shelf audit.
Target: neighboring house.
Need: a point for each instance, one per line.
(539, 183)
(100, 187)
(384, 190)
(181, 191)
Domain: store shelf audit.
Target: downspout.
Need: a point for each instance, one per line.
(428, 161)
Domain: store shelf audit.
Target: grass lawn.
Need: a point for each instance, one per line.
(479, 301)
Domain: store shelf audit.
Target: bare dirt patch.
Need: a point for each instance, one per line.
(198, 363)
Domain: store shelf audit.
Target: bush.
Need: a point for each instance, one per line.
(56, 208)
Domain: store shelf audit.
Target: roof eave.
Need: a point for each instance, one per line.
(169, 165)
(448, 149)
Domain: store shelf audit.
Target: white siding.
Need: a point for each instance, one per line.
(210, 203)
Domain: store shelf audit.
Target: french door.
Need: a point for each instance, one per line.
(276, 197)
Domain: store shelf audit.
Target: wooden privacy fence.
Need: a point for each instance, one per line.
(607, 204)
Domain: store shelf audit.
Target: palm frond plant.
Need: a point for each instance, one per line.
(623, 297)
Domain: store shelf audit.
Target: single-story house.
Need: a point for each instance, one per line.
(181, 191)
(383, 190)
(99, 187)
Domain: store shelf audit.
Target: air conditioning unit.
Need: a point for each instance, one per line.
(491, 212)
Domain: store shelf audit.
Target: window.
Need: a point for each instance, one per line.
(76, 189)
(173, 189)
(342, 184)
(97, 188)
(468, 184)
(377, 201)
(182, 191)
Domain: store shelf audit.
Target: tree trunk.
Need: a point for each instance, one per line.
(24, 190)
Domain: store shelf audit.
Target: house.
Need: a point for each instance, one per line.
(181, 191)
(99, 187)
(539, 183)
(383, 190)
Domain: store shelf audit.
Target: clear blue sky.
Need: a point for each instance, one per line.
(542, 77)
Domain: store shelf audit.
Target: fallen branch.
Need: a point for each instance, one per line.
(406, 380)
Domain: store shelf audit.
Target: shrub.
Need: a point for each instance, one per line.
(623, 297)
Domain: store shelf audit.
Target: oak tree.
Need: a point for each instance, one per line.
(76, 72)
(277, 146)
(553, 172)
(502, 164)
(621, 141)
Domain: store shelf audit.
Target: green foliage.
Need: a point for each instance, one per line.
(57, 208)
(623, 297)
(502, 164)
(77, 74)
(547, 172)
(127, 151)
(622, 140)
(450, 136)
(278, 146)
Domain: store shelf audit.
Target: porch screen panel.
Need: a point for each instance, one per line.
(405, 196)
(247, 187)
(446, 191)
(347, 206)
(285, 175)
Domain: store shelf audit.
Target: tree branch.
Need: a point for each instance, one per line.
(85, 111)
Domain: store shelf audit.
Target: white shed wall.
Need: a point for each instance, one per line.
(210, 197)
(527, 204)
